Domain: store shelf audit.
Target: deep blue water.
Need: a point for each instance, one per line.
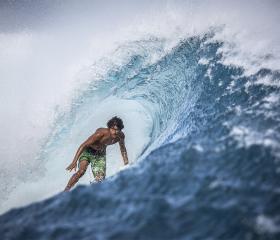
(213, 172)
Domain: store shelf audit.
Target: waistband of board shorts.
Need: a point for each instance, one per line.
(95, 152)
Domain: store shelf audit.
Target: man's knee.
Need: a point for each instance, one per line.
(80, 172)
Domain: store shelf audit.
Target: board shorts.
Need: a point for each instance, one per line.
(97, 160)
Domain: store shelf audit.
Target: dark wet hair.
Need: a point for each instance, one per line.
(115, 121)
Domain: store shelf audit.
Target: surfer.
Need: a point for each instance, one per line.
(93, 151)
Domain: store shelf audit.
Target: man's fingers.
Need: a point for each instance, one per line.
(71, 167)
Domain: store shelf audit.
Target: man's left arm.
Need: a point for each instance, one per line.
(123, 149)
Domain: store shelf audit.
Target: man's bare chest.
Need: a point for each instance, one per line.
(109, 140)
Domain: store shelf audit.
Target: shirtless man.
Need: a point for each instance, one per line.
(93, 151)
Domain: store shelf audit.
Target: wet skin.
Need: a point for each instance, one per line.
(109, 137)
(97, 141)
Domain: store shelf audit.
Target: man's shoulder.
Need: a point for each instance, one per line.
(101, 130)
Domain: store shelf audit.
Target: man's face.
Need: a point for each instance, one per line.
(115, 129)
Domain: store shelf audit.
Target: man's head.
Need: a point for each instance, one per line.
(115, 123)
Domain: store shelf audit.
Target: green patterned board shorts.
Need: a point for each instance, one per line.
(96, 159)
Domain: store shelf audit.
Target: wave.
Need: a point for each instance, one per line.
(209, 165)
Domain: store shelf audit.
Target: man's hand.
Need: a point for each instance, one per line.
(72, 166)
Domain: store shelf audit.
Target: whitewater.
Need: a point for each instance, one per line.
(197, 85)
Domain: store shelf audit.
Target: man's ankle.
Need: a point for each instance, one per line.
(67, 189)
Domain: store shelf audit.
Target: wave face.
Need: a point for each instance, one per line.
(211, 167)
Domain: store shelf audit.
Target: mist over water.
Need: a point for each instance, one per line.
(197, 85)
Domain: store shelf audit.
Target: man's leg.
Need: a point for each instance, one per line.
(75, 178)
(99, 177)
(99, 168)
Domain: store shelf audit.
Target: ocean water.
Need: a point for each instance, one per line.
(202, 125)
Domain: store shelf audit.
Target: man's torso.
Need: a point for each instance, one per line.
(107, 139)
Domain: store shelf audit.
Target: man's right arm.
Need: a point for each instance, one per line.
(93, 138)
